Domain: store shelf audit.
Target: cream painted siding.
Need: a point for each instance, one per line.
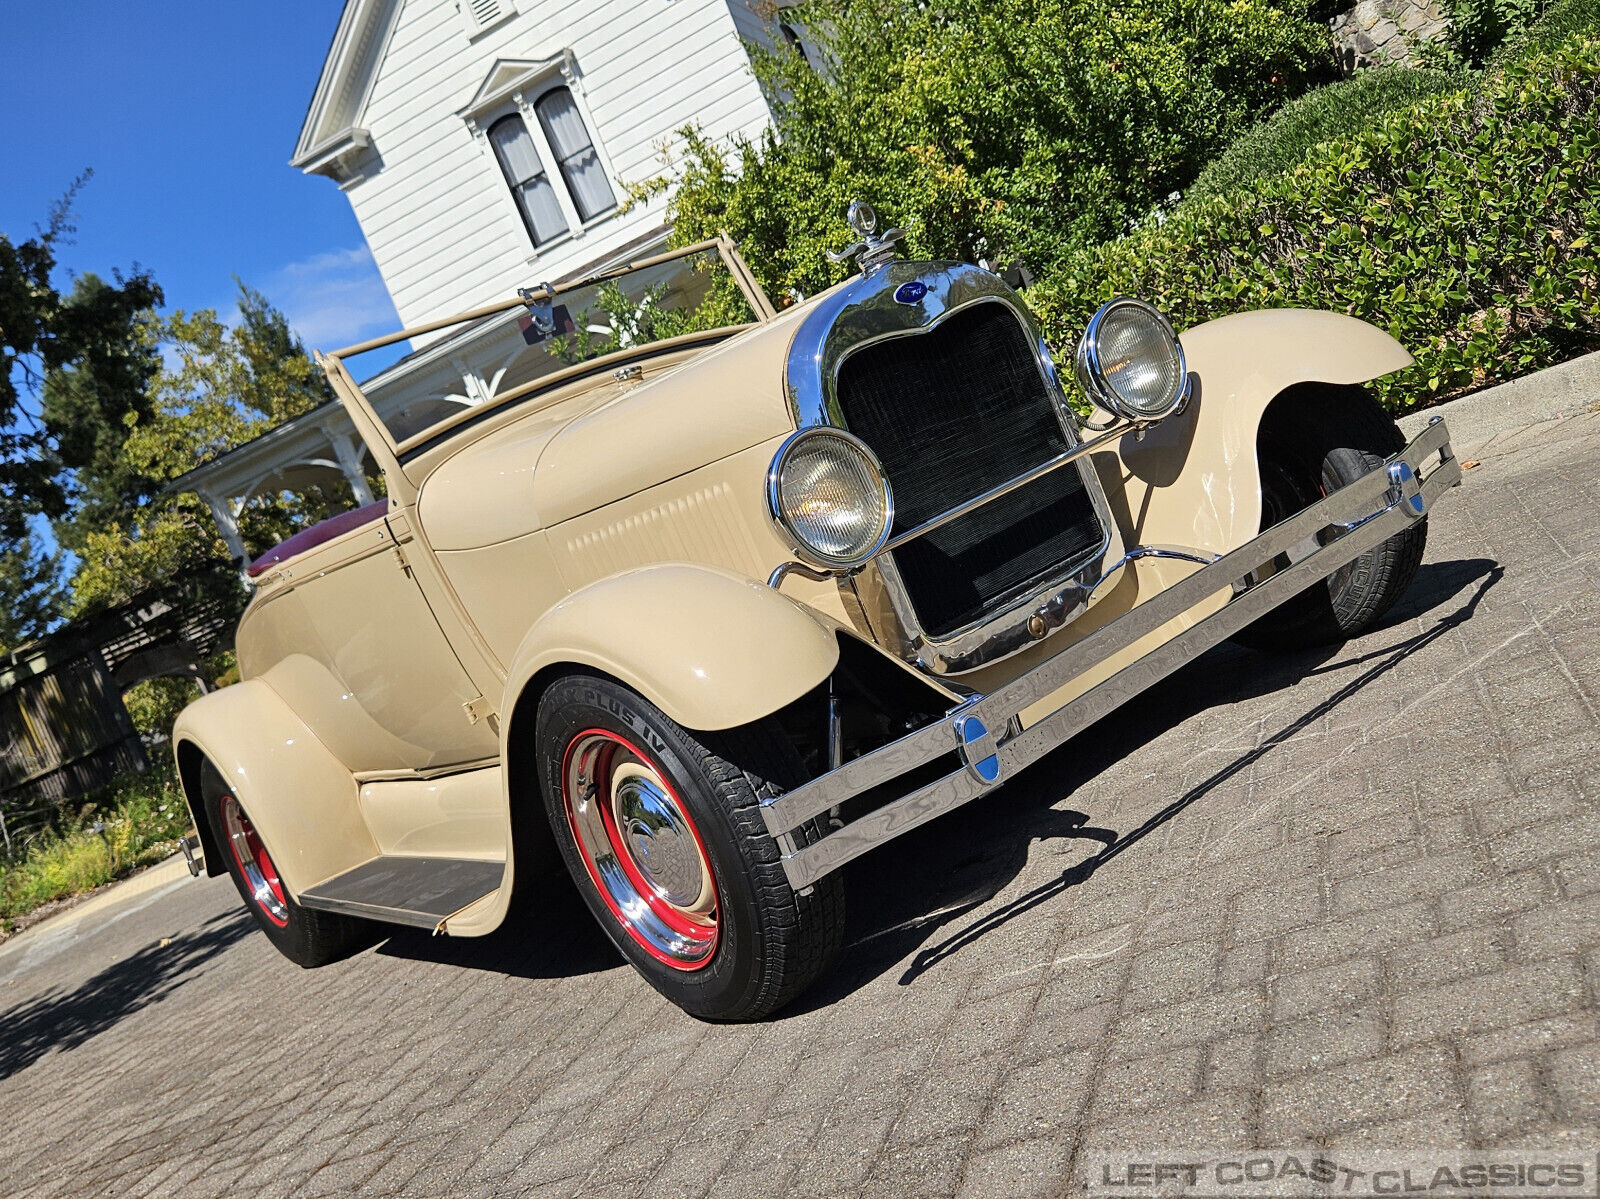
(433, 205)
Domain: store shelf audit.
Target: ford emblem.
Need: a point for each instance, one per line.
(910, 293)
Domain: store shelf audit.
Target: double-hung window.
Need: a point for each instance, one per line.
(574, 150)
(530, 185)
(581, 175)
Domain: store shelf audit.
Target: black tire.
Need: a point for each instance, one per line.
(1326, 440)
(307, 938)
(769, 942)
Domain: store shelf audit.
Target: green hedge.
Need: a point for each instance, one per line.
(1286, 139)
(1562, 21)
(1466, 226)
(1015, 129)
(1477, 28)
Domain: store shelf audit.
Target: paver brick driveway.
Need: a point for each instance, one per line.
(1349, 895)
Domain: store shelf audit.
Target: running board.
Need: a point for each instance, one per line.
(421, 892)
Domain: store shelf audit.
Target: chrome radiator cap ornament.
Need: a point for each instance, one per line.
(872, 250)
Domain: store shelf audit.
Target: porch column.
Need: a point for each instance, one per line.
(222, 513)
(344, 449)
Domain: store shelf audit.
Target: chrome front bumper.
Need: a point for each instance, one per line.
(1362, 515)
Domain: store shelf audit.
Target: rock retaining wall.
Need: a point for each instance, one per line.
(1384, 32)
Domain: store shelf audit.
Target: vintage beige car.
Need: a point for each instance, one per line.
(694, 600)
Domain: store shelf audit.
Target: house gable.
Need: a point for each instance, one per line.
(332, 138)
(403, 109)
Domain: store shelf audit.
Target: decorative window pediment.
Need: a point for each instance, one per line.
(529, 115)
(509, 76)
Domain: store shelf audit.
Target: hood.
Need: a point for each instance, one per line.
(573, 457)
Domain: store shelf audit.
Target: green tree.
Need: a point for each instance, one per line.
(220, 386)
(89, 405)
(32, 590)
(85, 349)
(987, 128)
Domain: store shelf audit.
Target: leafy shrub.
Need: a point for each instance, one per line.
(141, 818)
(1341, 109)
(154, 704)
(1466, 226)
(987, 128)
(1477, 28)
(1561, 21)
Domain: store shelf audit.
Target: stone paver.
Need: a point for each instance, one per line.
(1370, 918)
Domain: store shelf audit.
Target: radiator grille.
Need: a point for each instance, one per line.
(953, 412)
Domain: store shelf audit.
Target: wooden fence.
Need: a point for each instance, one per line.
(63, 731)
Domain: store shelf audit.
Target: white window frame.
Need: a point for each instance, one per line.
(559, 73)
(551, 171)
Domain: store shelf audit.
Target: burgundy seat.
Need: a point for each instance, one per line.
(323, 530)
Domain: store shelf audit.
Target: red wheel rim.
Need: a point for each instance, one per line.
(641, 849)
(255, 863)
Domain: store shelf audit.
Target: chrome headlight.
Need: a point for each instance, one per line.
(828, 492)
(1129, 362)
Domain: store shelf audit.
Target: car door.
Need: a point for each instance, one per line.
(361, 657)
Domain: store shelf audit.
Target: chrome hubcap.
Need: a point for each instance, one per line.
(641, 849)
(255, 864)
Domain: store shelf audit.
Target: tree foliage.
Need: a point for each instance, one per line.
(86, 353)
(987, 128)
(31, 592)
(1467, 226)
(220, 386)
(89, 404)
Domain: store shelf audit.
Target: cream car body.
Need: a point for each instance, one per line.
(615, 519)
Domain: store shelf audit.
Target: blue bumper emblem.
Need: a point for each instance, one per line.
(978, 749)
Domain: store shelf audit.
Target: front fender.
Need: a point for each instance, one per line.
(710, 648)
(299, 796)
(1193, 480)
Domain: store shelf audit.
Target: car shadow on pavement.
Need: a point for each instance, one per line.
(65, 1019)
(518, 948)
(934, 877)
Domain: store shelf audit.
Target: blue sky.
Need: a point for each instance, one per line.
(187, 114)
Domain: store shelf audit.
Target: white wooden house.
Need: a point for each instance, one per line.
(486, 145)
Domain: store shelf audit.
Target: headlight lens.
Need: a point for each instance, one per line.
(829, 493)
(1130, 362)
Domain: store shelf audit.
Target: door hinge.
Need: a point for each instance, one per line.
(479, 709)
(400, 557)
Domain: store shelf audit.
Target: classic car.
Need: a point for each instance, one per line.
(691, 601)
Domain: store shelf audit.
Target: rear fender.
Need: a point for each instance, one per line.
(1193, 480)
(300, 798)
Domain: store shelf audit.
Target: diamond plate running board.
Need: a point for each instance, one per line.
(420, 892)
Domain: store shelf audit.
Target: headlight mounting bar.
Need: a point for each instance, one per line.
(1065, 458)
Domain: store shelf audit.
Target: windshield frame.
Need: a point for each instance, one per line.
(377, 433)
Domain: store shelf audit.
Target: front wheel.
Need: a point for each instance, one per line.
(1331, 438)
(661, 829)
